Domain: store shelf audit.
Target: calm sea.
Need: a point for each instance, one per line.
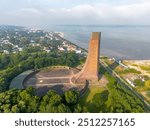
(121, 42)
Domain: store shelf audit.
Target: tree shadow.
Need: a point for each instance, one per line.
(103, 69)
(98, 102)
(114, 65)
(41, 91)
(60, 89)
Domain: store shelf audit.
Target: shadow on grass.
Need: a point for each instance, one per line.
(114, 65)
(103, 70)
(99, 101)
(96, 104)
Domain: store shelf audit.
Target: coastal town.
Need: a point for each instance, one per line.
(15, 39)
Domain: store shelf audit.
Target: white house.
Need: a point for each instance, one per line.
(79, 51)
(61, 49)
(6, 52)
(20, 49)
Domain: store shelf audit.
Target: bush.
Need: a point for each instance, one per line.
(147, 68)
(71, 97)
(130, 70)
(148, 94)
(139, 82)
(147, 83)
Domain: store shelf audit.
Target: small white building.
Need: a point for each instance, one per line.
(71, 48)
(34, 44)
(65, 44)
(20, 49)
(32, 41)
(6, 52)
(16, 46)
(61, 49)
(79, 51)
(46, 49)
(5, 41)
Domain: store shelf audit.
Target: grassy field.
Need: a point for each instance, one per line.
(94, 99)
(146, 68)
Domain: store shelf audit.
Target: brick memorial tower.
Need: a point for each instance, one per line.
(90, 71)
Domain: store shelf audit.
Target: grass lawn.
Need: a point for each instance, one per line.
(94, 99)
(146, 68)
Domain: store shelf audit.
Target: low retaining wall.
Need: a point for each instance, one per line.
(17, 82)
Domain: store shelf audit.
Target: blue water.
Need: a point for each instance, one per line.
(122, 42)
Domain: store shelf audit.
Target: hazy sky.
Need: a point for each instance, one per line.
(47, 12)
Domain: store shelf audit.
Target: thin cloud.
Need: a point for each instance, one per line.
(100, 13)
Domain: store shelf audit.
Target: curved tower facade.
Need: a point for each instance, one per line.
(90, 70)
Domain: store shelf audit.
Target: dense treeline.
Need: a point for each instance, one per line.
(120, 99)
(32, 58)
(26, 101)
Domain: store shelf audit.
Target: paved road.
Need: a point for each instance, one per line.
(122, 82)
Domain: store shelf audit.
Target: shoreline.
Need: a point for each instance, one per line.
(86, 50)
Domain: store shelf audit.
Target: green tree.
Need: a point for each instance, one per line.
(50, 102)
(2, 84)
(15, 109)
(78, 109)
(139, 82)
(71, 97)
